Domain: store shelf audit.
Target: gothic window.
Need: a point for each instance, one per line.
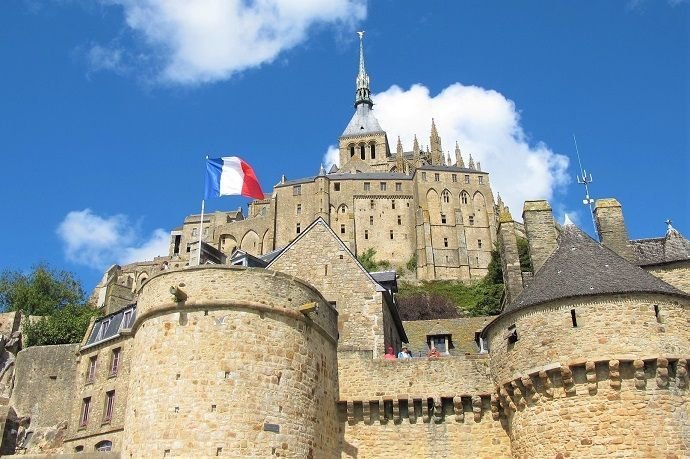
(367, 186)
(446, 196)
(464, 197)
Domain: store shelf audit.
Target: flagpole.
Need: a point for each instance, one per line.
(201, 227)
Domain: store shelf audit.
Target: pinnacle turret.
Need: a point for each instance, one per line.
(363, 94)
(458, 156)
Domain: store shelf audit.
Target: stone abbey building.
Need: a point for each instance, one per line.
(407, 205)
(281, 353)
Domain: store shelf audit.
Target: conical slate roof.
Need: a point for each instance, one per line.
(363, 122)
(582, 267)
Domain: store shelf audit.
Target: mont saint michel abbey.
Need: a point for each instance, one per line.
(269, 339)
(407, 205)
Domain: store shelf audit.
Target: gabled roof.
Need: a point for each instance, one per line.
(582, 267)
(667, 249)
(363, 122)
(303, 234)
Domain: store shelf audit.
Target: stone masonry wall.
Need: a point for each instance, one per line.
(676, 274)
(98, 427)
(616, 326)
(44, 391)
(318, 258)
(239, 371)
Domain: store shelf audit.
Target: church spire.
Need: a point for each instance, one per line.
(363, 94)
(458, 156)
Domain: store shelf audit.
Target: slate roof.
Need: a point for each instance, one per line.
(346, 176)
(654, 251)
(112, 327)
(462, 332)
(582, 267)
(362, 122)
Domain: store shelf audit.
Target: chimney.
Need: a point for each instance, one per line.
(608, 214)
(510, 257)
(541, 231)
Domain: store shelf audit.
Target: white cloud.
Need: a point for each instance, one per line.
(331, 157)
(210, 40)
(487, 125)
(98, 242)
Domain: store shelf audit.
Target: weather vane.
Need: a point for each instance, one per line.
(584, 179)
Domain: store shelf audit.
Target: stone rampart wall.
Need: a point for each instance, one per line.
(238, 370)
(622, 325)
(676, 274)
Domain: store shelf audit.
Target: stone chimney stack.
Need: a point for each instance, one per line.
(608, 214)
(510, 257)
(541, 231)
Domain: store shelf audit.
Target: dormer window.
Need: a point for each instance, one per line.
(103, 329)
(442, 343)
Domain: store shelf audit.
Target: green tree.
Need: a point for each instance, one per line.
(54, 295)
(523, 252)
(370, 264)
(495, 268)
(42, 292)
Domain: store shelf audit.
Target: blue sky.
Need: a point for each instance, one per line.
(108, 108)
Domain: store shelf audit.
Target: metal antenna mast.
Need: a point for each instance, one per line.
(584, 179)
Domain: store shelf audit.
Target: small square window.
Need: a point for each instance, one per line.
(443, 218)
(115, 361)
(91, 373)
(479, 243)
(445, 242)
(336, 186)
(298, 229)
(382, 185)
(297, 190)
(399, 220)
(437, 177)
(398, 186)
(391, 234)
(367, 186)
(471, 218)
(454, 177)
(342, 229)
(392, 203)
(467, 179)
(366, 234)
(371, 204)
(371, 219)
(298, 209)
(480, 179)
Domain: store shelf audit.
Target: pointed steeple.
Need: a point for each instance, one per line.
(458, 156)
(435, 140)
(479, 166)
(400, 157)
(415, 147)
(399, 147)
(471, 165)
(363, 95)
(449, 162)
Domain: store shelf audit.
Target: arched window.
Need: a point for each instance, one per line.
(352, 150)
(446, 196)
(373, 150)
(464, 197)
(362, 151)
(105, 445)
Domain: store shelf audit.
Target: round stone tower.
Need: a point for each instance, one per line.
(235, 362)
(591, 359)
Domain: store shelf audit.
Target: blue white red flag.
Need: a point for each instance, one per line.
(231, 176)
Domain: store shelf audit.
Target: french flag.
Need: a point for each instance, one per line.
(231, 176)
